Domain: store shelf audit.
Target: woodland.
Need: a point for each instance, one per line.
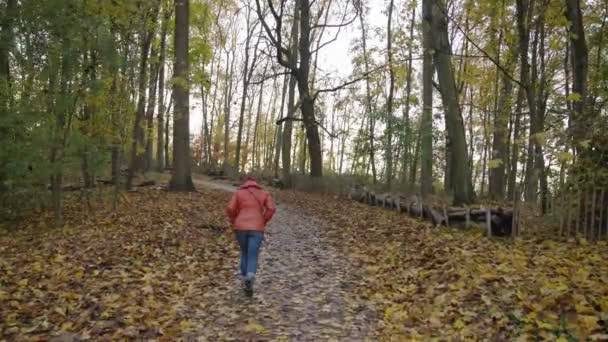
(119, 118)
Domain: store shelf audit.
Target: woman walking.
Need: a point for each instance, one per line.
(249, 211)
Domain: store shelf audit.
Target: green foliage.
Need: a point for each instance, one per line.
(71, 99)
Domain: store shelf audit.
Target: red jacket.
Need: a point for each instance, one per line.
(250, 207)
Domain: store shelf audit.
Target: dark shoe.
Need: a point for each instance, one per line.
(249, 285)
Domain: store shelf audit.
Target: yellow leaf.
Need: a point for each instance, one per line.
(23, 282)
(67, 326)
(588, 323)
(186, 325)
(459, 324)
(58, 258)
(255, 327)
(561, 339)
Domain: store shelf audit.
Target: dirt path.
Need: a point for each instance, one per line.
(303, 289)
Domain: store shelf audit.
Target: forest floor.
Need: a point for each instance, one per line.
(164, 266)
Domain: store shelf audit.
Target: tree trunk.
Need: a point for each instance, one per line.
(580, 66)
(306, 99)
(514, 161)
(524, 9)
(461, 176)
(181, 177)
(368, 99)
(247, 74)
(160, 155)
(279, 133)
(153, 83)
(6, 45)
(500, 140)
(407, 131)
(288, 129)
(137, 161)
(388, 156)
(168, 162)
(426, 122)
(254, 155)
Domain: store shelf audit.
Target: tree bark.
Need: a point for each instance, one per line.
(6, 45)
(524, 9)
(137, 159)
(288, 129)
(153, 84)
(461, 176)
(407, 131)
(306, 98)
(368, 97)
(426, 122)
(168, 162)
(160, 141)
(514, 160)
(181, 177)
(247, 74)
(279, 133)
(228, 107)
(579, 59)
(389, 106)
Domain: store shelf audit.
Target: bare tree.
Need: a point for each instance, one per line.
(391, 93)
(302, 71)
(247, 75)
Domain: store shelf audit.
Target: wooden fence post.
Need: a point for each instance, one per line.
(593, 235)
(489, 221)
(468, 217)
(577, 219)
(447, 218)
(585, 219)
(599, 228)
(561, 213)
(569, 216)
(514, 221)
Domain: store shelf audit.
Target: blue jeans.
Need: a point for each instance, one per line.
(249, 243)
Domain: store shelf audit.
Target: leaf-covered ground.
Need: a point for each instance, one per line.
(430, 283)
(163, 268)
(137, 274)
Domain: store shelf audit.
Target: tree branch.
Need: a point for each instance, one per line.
(280, 121)
(487, 55)
(348, 83)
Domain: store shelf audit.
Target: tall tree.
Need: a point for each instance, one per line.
(152, 86)
(407, 131)
(181, 177)
(391, 93)
(580, 66)
(6, 42)
(459, 167)
(368, 94)
(148, 24)
(291, 102)
(160, 140)
(426, 122)
(247, 74)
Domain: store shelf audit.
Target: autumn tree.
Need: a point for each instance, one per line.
(181, 176)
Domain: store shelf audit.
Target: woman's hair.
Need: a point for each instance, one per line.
(249, 176)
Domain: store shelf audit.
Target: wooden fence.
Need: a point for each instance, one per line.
(580, 213)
